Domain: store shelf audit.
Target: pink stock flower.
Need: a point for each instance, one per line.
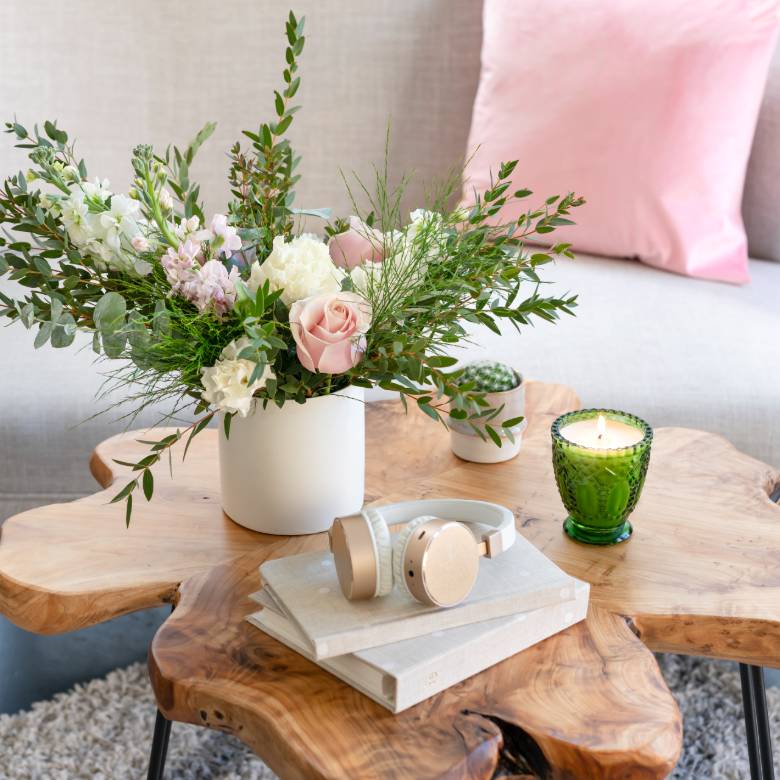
(329, 330)
(212, 285)
(357, 245)
(204, 284)
(180, 264)
(226, 238)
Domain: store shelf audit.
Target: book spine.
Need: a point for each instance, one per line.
(365, 637)
(513, 636)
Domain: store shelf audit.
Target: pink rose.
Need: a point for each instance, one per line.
(329, 330)
(356, 245)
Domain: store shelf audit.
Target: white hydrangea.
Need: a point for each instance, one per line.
(300, 268)
(226, 383)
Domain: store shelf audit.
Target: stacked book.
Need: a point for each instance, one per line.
(398, 651)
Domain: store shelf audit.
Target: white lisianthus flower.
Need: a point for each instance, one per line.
(422, 233)
(226, 383)
(365, 275)
(300, 268)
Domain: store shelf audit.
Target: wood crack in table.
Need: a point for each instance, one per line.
(701, 575)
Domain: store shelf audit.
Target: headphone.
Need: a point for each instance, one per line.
(435, 557)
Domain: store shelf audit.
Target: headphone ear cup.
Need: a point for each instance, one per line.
(399, 546)
(383, 544)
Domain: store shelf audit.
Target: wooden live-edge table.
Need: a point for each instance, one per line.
(699, 576)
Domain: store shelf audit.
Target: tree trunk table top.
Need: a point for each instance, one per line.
(700, 575)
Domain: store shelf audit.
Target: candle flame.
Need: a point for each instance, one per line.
(601, 426)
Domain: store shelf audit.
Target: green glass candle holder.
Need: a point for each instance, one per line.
(600, 486)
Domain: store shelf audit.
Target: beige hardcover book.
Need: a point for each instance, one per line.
(402, 674)
(306, 588)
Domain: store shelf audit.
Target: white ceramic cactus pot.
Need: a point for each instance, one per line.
(293, 470)
(467, 444)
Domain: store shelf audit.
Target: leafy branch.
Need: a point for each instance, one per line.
(145, 478)
(262, 180)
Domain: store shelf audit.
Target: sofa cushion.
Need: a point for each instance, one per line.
(654, 128)
(46, 435)
(761, 201)
(675, 351)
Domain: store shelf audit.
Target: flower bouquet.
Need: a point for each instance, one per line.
(244, 315)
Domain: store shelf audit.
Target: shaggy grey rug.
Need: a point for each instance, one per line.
(102, 731)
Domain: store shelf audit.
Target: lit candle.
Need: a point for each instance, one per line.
(600, 459)
(602, 434)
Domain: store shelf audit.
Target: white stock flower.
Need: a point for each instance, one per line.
(70, 173)
(52, 205)
(300, 268)
(97, 189)
(121, 220)
(166, 200)
(226, 383)
(76, 219)
(190, 230)
(140, 243)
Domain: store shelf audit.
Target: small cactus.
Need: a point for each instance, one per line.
(489, 376)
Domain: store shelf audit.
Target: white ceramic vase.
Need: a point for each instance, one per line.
(293, 470)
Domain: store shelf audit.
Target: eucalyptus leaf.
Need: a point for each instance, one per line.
(64, 331)
(114, 344)
(56, 309)
(324, 213)
(109, 314)
(44, 332)
(27, 315)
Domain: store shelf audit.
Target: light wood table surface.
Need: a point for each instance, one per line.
(701, 575)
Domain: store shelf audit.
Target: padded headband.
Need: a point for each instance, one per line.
(498, 517)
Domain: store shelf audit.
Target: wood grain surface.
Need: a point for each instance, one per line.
(67, 566)
(589, 702)
(700, 575)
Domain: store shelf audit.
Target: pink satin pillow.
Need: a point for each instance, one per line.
(647, 109)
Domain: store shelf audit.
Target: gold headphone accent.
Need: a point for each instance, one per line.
(441, 562)
(355, 557)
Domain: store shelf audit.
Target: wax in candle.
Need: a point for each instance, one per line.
(602, 433)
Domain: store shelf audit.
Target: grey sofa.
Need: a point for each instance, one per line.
(677, 351)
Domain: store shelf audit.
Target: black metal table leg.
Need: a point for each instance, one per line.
(162, 731)
(757, 722)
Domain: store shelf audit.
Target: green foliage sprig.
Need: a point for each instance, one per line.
(262, 180)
